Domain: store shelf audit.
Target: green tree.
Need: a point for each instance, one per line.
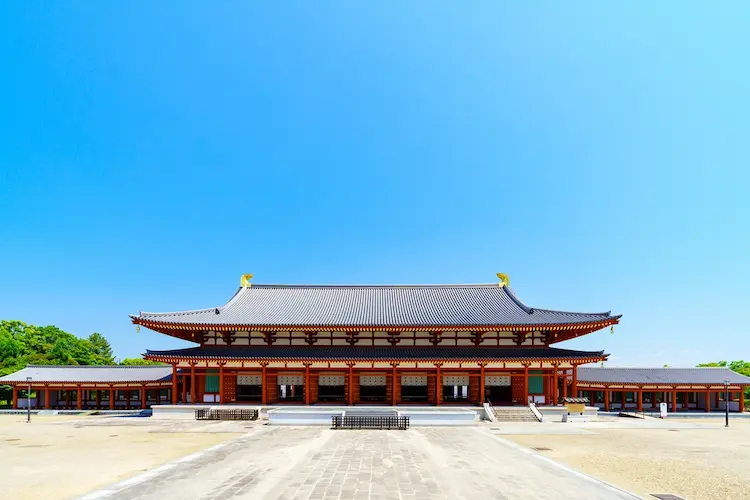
(22, 344)
(101, 348)
(139, 362)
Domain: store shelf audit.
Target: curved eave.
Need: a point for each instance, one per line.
(187, 330)
(262, 360)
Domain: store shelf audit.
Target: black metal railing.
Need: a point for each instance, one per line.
(209, 414)
(370, 422)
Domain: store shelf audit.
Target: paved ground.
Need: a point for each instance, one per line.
(694, 459)
(62, 457)
(318, 463)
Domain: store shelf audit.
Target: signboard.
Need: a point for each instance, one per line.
(662, 410)
(575, 408)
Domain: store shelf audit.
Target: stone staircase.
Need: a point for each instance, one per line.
(514, 414)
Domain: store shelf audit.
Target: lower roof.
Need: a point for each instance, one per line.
(660, 376)
(376, 353)
(90, 374)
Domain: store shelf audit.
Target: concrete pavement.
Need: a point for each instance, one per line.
(320, 464)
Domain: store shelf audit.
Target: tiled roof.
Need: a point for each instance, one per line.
(666, 376)
(376, 353)
(375, 305)
(99, 374)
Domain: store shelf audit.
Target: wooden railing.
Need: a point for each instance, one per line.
(225, 414)
(369, 422)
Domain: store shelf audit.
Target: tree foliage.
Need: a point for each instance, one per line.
(139, 362)
(22, 344)
(741, 367)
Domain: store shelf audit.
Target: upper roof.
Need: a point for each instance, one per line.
(362, 306)
(85, 373)
(665, 376)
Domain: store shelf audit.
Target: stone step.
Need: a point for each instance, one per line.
(514, 414)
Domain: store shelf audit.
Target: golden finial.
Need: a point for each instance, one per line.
(504, 279)
(245, 280)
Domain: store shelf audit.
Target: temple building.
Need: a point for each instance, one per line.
(402, 344)
(370, 345)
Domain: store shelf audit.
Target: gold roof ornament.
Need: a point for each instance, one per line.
(245, 280)
(504, 279)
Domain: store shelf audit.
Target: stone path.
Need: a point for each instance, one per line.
(321, 464)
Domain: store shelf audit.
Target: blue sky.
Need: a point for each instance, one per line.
(149, 155)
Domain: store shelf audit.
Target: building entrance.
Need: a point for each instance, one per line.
(497, 389)
(414, 389)
(249, 388)
(292, 387)
(455, 388)
(332, 388)
(372, 388)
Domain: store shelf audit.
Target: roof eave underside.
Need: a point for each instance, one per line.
(396, 354)
(167, 325)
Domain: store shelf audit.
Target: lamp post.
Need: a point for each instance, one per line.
(28, 400)
(726, 402)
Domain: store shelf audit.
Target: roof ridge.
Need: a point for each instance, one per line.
(397, 285)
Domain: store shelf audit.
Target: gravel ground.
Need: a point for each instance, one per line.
(58, 457)
(710, 462)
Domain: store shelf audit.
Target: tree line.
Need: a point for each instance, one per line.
(23, 344)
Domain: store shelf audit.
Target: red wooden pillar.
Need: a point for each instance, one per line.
(526, 384)
(439, 384)
(15, 397)
(221, 383)
(481, 383)
(606, 399)
(708, 401)
(174, 384)
(653, 399)
(46, 398)
(127, 399)
(565, 383)
(111, 398)
(351, 384)
(742, 399)
(143, 398)
(263, 385)
(622, 399)
(308, 389)
(192, 383)
(98, 398)
(554, 385)
(394, 381)
(686, 400)
(575, 381)
(640, 400)
(184, 388)
(79, 405)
